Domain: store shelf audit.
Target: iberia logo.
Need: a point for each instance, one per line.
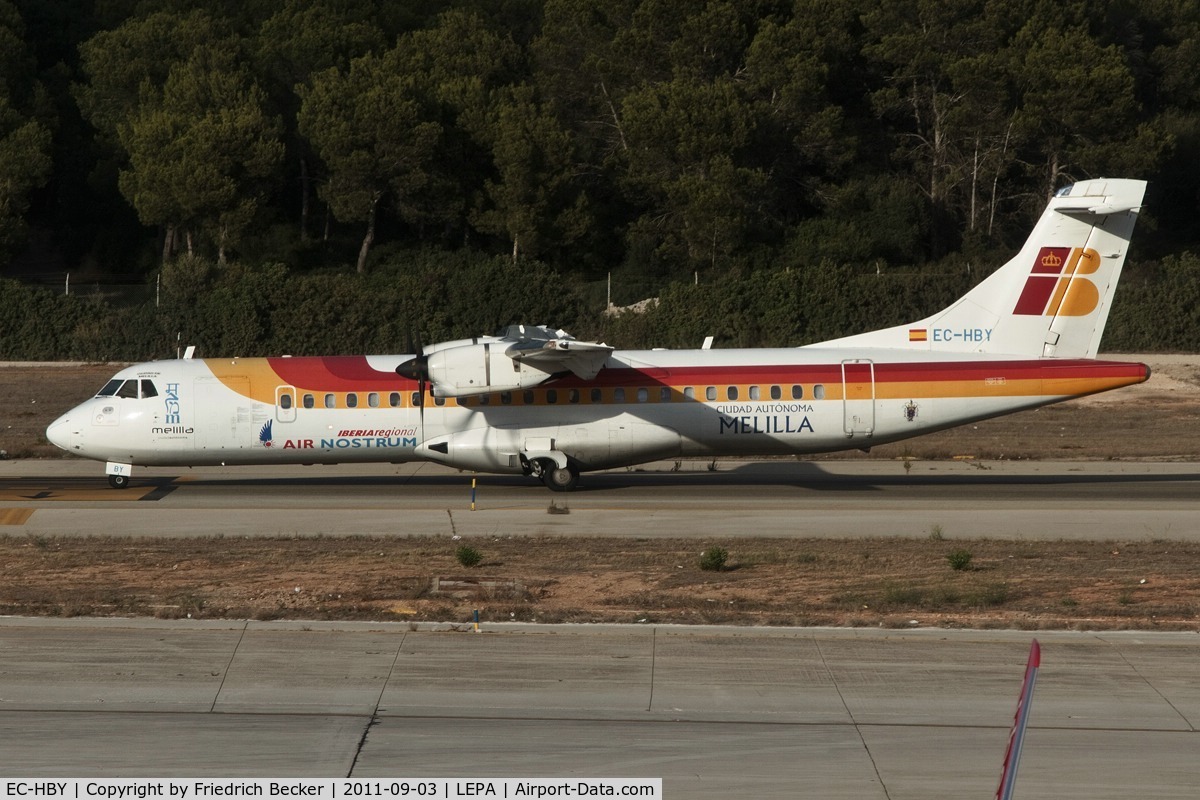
(265, 438)
(1056, 286)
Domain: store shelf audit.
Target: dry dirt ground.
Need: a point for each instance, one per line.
(890, 582)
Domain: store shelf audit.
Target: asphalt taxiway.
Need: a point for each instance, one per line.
(714, 712)
(1004, 499)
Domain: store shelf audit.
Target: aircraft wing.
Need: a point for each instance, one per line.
(584, 359)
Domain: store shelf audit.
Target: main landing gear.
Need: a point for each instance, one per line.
(556, 478)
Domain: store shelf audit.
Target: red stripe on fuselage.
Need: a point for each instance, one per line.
(920, 371)
(354, 373)
(337, 374)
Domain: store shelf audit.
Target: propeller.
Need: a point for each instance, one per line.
(417, 369)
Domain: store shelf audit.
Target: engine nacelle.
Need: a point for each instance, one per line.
(479, 369)
(502, 450)
(613, 442)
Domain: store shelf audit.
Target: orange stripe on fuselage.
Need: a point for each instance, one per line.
(323, 374)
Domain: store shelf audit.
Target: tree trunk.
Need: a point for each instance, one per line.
(168, 243)
(369, 238)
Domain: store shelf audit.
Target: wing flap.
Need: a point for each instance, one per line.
(583, 359)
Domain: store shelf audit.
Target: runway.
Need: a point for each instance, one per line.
(715, 712)
(844, 499)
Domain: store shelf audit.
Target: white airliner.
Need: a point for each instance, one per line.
(536, 401)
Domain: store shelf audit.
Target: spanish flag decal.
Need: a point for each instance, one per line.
(918, 335)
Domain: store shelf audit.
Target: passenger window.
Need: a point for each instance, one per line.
(352, 400)
(776, 393)
(128, 389)
(148, 389)
(710, 393)
(527, 397)
(819, 392)
(506, 398)
(394, 399)
(689, 392)
(551, 395)
(109, 389)
(731, 393)
(373, 399)
(754, 393)
(439, 401)
(309, 401)
(285, 401)
(572, 395)
(331, 400)
(797, 392)
(415, 400)
(643, 394)
(485, 399)
(597, 396)
(664, 394)
(618, 395)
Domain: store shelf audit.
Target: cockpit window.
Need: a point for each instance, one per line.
(119, 388)
(110, 388)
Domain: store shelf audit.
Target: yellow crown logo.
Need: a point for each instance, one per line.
(1051, 260)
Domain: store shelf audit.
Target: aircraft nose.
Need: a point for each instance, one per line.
(64, 432)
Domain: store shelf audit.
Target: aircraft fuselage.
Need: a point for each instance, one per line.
(643, 405)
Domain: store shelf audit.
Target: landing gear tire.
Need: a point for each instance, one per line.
(118, 481)
(559, 479)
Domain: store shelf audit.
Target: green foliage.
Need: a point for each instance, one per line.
(1159, 309)
(36, 323)
(370, 127)
(468, 556)
(959, 560)
(784, 307)
(713, 559)
(820, 168)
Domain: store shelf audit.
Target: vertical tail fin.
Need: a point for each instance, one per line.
(1053, 298)
(1016, 739)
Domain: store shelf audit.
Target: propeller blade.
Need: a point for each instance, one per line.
(417, 369)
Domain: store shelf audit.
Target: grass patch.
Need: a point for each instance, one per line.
(468, 556)
(959, 560)
(713, 559)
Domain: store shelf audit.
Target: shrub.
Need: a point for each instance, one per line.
(713, 559)
(959, 559)
(468, 556)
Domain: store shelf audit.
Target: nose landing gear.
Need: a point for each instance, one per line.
(118, 474)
